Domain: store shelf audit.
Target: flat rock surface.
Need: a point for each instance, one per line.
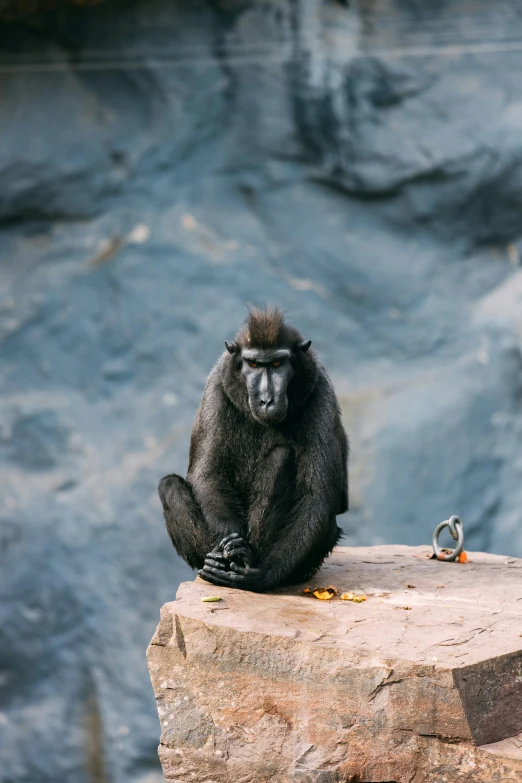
(458, 614)
(420, 683)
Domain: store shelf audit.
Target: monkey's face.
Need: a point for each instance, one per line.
(266, 374)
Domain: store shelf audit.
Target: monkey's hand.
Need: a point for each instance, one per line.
(216, 559)
(236, 549)
(240, 577)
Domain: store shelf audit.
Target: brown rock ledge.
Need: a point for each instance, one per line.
(418, 684)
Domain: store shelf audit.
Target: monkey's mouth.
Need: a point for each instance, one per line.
(268, 416)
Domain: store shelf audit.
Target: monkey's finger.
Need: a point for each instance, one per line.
(231, 545)
(237, 542)
(241, 551)
(215, 581)
(234, 550)
(238, 569)
(211, 569)
(215, 563)
(228, 575)
(228, 538)
(208, 577)
(219, 578)
(217, 556)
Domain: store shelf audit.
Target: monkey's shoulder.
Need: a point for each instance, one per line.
(321, 408)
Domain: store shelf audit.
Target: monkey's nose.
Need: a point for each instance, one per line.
(266, 403)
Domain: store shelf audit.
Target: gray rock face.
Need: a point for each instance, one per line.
(161, 165)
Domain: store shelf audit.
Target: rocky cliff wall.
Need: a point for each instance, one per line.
(162, 163)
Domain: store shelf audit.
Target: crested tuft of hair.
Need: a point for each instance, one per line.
(263, 328)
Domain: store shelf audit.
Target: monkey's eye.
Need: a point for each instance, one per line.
(276, 364)
(252, 364)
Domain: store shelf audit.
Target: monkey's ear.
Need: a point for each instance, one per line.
(231, 347)
(304, 346)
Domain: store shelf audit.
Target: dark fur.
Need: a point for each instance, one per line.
(265, 329)
(280, 487)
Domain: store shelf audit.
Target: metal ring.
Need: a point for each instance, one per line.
(457, 532)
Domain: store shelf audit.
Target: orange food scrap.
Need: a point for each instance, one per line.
(324, 593)
(463, 558)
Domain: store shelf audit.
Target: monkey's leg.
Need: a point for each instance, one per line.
(304, 570)
(186, 524)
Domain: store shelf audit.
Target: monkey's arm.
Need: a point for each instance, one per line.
(224, 519)
(209, 473)
(219, 504)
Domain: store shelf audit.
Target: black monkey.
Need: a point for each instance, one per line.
(268, 466)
